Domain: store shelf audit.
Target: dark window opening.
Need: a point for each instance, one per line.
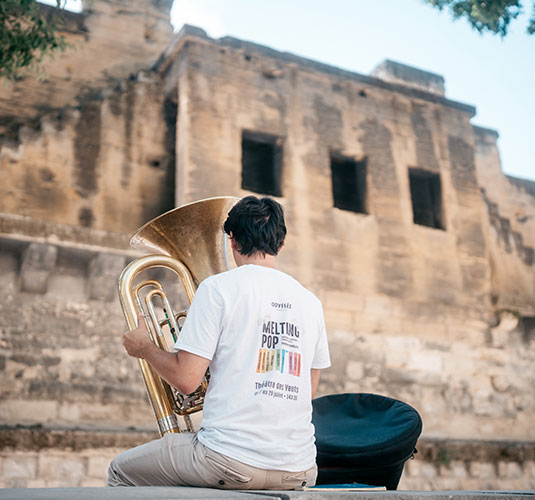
(261, 163)
(349, 184)
(526, 325)
(426, 198)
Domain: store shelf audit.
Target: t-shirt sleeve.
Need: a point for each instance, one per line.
(202, 327)
(321, 359)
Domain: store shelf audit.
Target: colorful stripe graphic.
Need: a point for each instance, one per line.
(259, 365)
(291, 363)
(275, 359)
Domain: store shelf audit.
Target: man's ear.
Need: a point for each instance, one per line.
(282, 244)
(234, 244)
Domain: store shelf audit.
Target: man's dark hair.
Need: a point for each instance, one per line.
(257, 225)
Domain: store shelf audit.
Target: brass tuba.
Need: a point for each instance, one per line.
(190, 241)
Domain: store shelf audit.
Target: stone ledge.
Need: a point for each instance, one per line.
(176, 493)
(445, 451)
(432, 450)
(36, 438)
(188, 32)
(27, 229)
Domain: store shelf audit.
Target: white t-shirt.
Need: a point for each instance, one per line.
(263, 332)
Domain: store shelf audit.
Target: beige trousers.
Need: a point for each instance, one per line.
(181, 460)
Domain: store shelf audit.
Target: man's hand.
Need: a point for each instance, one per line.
(137, 342)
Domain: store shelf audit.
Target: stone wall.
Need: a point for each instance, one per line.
(60, 324)
(510, 229)
(469, 465)
(106, 163)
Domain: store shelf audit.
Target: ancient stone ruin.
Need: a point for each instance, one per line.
(400, 219)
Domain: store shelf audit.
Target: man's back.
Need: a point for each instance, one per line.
(263, 332)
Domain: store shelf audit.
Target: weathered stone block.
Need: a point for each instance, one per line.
(482, 470)
(36, 483)
(431, 362)
(20, 466)
(92, 482)
(411, 483)
(500, 383)
(8, 266)
(398, 376)
(97, 467)
(428, 470)
(412, 468)
(395, 72)
(510, 484)
(63, 286)
(501, 333)
(66, 470)
(15, 482)
(342, 337)
(104, 271)
(69, 412)
(343, 300)
(336, 318)
(455, 469)
(38, 262)
(355, 370)
(446, 483)
(65, 483)
(381, 305)
(395, 358)
(21, 411)
(510, 470)
(471, 483)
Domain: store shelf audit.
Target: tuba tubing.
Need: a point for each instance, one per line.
(159, 392)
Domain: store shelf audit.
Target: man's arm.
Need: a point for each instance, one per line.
(315, 380)
(182, 370)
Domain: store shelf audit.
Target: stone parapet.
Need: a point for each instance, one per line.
(39, 457)
(37, 438)
(27, 229)
(407, 75)
(193, 32)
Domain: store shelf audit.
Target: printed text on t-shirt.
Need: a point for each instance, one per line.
(277, 390)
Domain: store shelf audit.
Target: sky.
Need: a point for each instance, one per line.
(495, 75)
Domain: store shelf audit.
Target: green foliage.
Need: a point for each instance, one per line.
(27, 35)
(531, 23)
(487, 15)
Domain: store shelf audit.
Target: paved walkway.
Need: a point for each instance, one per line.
(182, 493)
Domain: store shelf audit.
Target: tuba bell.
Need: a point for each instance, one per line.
(189, 241)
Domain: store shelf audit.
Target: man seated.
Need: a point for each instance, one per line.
(263, 336)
